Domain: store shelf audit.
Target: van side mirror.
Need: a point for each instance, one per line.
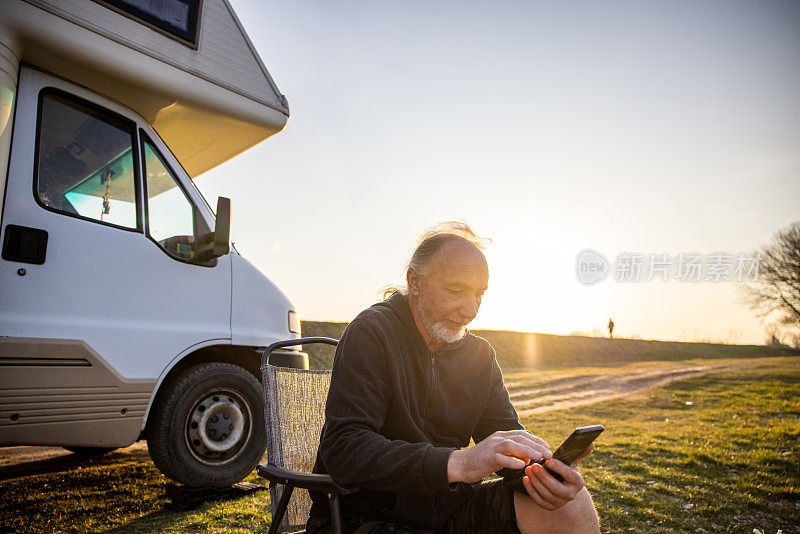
(218, 242)
(222, 230)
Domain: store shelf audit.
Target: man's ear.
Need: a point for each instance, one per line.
(413, 280)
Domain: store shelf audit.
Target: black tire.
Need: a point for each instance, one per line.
(90, 451)
(207, 426)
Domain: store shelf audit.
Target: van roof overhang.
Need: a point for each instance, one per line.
(205, 122)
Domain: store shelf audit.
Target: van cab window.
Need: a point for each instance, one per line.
(85, 164)
(173, 221)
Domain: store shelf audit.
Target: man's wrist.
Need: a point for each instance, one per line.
(454, 465)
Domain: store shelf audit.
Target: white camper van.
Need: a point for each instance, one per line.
(124, 314)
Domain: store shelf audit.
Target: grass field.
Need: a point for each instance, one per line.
(712, 453)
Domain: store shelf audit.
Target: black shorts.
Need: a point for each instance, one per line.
(490, 511)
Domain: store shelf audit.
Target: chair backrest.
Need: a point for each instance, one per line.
(294, 405)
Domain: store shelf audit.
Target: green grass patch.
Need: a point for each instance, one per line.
(727, 462)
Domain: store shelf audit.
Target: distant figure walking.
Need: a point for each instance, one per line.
(610, 328)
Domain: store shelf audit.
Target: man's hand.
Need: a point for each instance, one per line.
(512, 449)
(546, 490)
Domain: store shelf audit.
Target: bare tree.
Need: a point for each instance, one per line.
(776, 294)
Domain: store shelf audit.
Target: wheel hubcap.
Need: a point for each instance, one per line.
(217, 427)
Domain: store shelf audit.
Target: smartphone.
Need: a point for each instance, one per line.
(573, 446)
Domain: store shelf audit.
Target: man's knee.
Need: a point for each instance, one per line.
(578, 516)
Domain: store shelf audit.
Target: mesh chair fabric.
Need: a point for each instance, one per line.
(294, 404)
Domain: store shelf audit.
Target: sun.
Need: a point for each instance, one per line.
(535, 289)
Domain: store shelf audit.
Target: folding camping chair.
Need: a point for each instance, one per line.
(294, 404)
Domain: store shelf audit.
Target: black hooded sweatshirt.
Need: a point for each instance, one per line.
(396, 411)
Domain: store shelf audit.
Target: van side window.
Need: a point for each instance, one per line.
(172, 218)
(84, 164)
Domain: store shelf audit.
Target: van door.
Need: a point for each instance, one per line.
(101, 289)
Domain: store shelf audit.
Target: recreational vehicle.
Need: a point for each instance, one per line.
(124, 312)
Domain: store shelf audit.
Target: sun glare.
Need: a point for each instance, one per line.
(534, 289)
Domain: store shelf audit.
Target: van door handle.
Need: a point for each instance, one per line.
(24, 245)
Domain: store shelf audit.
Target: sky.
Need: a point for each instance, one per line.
(627, 128)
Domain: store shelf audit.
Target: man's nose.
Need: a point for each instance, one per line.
(469, 309)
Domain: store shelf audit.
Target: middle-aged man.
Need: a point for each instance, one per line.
(410, 388)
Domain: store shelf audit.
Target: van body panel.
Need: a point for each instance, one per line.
(61, 392)
(224, 56)
(259, 309)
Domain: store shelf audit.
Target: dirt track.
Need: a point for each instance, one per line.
(529, 395)
(568, 392)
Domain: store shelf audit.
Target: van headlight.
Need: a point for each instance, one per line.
(294, 322)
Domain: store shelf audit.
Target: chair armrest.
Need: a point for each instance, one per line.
(293, 342)
(310, 481)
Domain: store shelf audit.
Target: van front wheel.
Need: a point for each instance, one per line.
(208, 426)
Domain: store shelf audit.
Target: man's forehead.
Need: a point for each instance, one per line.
(458, 260)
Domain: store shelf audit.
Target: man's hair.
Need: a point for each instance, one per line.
(430, 243)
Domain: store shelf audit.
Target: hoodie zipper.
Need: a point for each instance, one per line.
(430, 389)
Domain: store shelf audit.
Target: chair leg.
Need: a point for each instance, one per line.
(277, 517)
(336, 516)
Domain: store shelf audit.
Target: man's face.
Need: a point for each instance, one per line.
(449, 297)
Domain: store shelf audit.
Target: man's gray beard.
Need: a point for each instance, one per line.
(438, 331)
